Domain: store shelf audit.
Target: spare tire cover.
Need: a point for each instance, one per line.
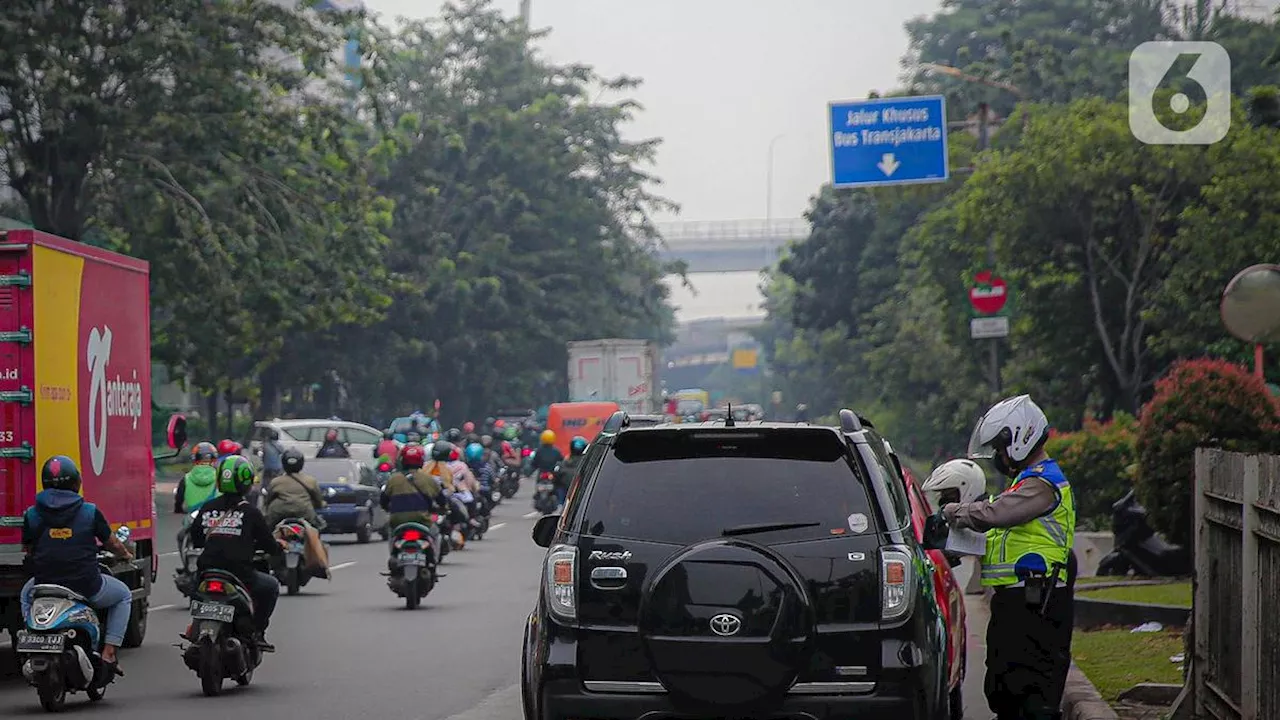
(726, 623)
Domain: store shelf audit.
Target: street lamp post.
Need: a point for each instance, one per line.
(768, 199)
(525, 7)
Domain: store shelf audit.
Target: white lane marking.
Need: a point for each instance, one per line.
(339, 566)
(495, 527)
(533, 514)
(161, 607)
(169, 554)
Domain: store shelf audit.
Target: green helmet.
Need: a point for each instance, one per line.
(235, 475)
(510, 433)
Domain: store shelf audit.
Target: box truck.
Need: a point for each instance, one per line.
(75, 380)
(621, 371)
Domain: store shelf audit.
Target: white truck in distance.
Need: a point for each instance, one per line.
(621, 371)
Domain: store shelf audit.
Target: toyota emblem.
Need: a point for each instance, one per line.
(725, 624)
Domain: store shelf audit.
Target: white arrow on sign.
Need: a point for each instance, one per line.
(888, 163)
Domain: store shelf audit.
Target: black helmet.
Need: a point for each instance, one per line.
(472, 439)
(273, 434)
(292, 460)
(454, 435)
(486, 440)
(388, 435)
(441, 450)
(60, 473)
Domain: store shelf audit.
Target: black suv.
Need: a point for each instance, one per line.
(722, 570)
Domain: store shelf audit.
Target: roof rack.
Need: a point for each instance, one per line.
(616, 422)
(850, 422)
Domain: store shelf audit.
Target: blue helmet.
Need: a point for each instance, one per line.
(475, 453)
(577, 445)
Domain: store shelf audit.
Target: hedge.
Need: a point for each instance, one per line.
(1198, 403)
(1099, 460)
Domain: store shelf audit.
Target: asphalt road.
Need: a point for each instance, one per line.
(348, 649)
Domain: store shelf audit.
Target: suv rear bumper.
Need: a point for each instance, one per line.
(570, 698)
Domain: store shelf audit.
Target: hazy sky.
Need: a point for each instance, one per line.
(722, 79)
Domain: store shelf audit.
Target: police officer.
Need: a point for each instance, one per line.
(1029, 563)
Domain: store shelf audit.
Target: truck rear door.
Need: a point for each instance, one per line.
(17, 397)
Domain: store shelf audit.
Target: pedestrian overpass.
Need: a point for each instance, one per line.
(729, 246)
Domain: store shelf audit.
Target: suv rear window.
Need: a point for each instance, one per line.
(682, 486)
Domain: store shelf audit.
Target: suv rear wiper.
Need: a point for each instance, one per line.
(765, 527)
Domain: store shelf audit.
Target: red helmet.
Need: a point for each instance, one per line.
(468, 427)
(506, 446)
(454, 454)
(412, 456)
(499, 424)
(228, 447)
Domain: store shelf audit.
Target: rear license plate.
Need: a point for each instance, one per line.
(213, 611)
(41, 643)
(413, 559)
(545, 487)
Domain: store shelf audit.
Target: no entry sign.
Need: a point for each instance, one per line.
(989, 293)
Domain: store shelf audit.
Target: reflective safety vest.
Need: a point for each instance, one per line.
(1037, 545)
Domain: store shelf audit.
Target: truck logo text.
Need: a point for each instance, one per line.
(116, 397)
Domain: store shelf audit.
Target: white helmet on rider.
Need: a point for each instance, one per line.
(959, 481)
(1015, 427)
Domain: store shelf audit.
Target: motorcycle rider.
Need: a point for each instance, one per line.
(60, 536)
(1029, 562)
(231, 529)
(272, 451)
(491, 455)
(569, 467)
(332, 447)
(453, 435)
(294, 494)
(387, 450)
(468, 428)
(482, 469)
(413, 491)
(465, 486)
(200, 484)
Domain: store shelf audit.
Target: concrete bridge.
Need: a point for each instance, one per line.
(730, 246)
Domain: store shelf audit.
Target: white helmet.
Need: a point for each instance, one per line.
(963, 476)
(1015, 424)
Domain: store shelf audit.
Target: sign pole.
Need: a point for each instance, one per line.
(1257, 362)
(984, 142)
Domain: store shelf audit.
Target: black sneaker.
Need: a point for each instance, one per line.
(261, 641)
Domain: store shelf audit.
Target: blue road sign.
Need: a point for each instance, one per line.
(889, 141)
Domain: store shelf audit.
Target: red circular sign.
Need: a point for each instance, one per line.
(989, 293)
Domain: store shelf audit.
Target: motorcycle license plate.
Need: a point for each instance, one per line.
(295, 547)
(212, 611)
(545, 487)
(413, 559)
(41, 643)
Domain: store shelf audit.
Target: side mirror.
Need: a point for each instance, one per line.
(177, 432)
(122, 533)
(544, 531)
(936, 532)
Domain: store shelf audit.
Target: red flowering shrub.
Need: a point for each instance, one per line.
(1199, 403)
(1099, 461)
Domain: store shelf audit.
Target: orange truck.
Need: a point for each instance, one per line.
(568, 420)
(75, 379)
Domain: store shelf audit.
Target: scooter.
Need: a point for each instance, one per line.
(60, 649)
(544, 493)
(221, 634)
(1138, 548)
(292, 571)
(509, 482)
(412, 565)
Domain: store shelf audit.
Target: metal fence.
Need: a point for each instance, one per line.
(1236, 622)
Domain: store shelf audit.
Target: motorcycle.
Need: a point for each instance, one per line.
(480, 518)
(544, 493)
(184, 575)
(1138, 548)
(383, 474)
(221, 634)
(441, 535)
(509, 482)
(412, 564)
(60, 648)
(292, 571)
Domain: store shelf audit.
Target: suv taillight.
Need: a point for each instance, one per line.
(897, 582)
(562, 595)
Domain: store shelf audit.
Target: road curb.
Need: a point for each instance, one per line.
(1081, 701)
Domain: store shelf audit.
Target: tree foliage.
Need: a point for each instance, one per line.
(437, 233)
